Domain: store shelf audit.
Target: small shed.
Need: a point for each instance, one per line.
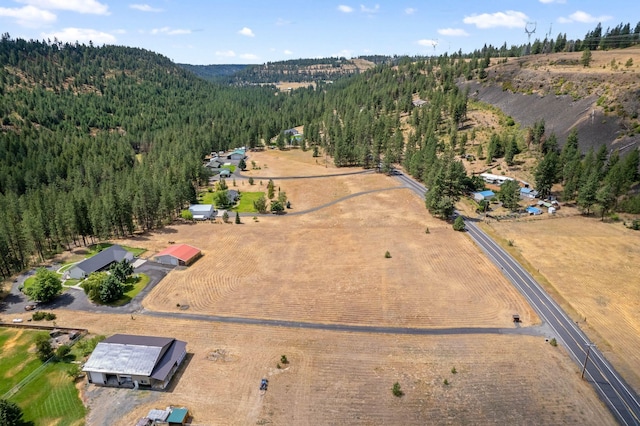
(533, 210)
(552, 210)
(201, 211)
(178, 416)
(483, 195)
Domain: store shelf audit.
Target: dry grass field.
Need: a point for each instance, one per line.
(594, 267)
(328, 266)
(346, 378)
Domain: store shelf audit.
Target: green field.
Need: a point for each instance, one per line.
(246, 202)
(50, 397)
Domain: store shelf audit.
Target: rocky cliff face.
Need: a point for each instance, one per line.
(601, 101)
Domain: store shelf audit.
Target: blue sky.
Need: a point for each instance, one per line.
(259, 31)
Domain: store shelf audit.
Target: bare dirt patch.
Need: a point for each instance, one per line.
(594, 267)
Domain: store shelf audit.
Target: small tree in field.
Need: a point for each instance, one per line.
(186, 215)
(251, 182)
(396, 390)
(225, 217)
(242, 165)
(458, 224)
(43, 347)
(238, 218)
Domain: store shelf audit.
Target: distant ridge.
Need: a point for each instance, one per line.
(212, 72)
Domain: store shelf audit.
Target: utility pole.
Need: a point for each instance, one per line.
(586, 359)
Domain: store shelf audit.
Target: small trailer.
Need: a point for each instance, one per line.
(516, 318)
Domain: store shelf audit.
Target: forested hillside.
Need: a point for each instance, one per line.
(214, 72)
(99, 141)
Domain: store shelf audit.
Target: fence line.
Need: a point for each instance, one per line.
(38, 370)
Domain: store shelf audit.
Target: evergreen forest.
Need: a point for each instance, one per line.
(102, 142)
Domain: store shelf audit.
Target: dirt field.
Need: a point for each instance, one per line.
(328, 266)
(594, 266)
(346, 378)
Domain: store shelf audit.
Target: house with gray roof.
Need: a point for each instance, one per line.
(201, 211)
(100, 261)
(129, 361)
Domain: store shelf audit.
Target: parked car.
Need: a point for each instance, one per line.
(263, 384)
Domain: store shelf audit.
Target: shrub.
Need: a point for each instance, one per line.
(74, 371)
(446, 382)
(10, 413)
(553, 342)
(62, 352)
(458, 224)
(43, 347)
(454, 371)
(396, 390)
(387, 255)
(284, 360)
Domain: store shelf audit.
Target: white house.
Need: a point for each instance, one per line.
(201, 211)
(100, 261)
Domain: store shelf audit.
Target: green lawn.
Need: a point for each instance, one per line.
(51, 397)
(206, 197)
(246, 202)
(14, 365)
(131, 289)
(230, 167)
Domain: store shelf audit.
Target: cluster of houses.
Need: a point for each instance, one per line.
(219, 162)
(526, 193)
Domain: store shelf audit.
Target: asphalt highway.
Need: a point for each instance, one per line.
(612, 389)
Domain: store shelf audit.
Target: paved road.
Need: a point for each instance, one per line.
(533, 331)
(612, 389)
(619, 397)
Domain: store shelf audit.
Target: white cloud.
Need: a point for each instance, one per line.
(552, 1)
(82, 35)
(246, 32)
(80, 6)
(249, 56)
(410, 11)
(120, 31)
(453, 32)
(427, 42)
(583, 17)
(28, 16)
(365, 9)
(226, 53)
(144, 8)
(282, 22)
(345, 9)
(169, 31)
(509, 19)
(288, 52)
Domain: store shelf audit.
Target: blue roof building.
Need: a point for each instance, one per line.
(483, 195)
